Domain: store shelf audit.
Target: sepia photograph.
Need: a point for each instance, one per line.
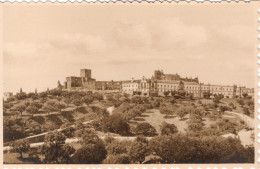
(140, 83)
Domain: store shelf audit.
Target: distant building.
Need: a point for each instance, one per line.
(130, 86)
(85, 81)
(7, 95)
(154, 86)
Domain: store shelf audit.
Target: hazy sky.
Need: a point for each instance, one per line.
(46, 43)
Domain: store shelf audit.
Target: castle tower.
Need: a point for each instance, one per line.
(21, 90)
(85, 73)
(35, 91)
(158, 74)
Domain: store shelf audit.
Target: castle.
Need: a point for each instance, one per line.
(85, 81)
(156, 85)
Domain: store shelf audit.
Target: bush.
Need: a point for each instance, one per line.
(21, 147)
(165, 110)
(137, 99)
(246, 111)
(167, 129)
(117, 159)
(241, 102)
(21, 96)
(145, 129)
(181, 148)
(117, 147)
(223, 108)
(138, 150)
(116, 124)
(93, 150)
(55, 150)
(98, 96)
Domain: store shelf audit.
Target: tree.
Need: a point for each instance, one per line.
(116, 124)
(246, 111)
(77, 102)
(43, 95)
(195, 123)
(117, 159)
(190, 96)
(34, 97)
(88, 99)
(55, 92)
(166, 93)
(165, 110)
(172, 101)
(117, 147)
(180, 148)
(32, 110)
(136, 99)
(167, 129)
(37, 104)
(93, 150)
(55, 150)
(139, 149)
(156, 103)
(241, 102)
(173, 93)
(216, 99)
(145, 129)
(182, 112)
(65, 156)
(21, 96)
(67, 101)
(60, 106)
(21, 146)
(110, 97)
(244, 95)
(223, 108)
(206, 95)
(98, 96)
(21, 109)
(49, 107)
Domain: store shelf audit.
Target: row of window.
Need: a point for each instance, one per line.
(186, 87)
(197, 87)
(130, 85)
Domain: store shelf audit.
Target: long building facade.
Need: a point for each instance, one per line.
(157, 85)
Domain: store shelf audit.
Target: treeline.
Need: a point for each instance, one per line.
(172, 148)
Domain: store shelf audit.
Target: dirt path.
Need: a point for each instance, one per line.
(249, 120)
(74, 140)
(244, 135)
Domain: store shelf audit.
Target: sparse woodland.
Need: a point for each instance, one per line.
(139, 130)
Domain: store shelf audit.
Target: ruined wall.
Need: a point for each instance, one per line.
(73, 82)
(88, 83)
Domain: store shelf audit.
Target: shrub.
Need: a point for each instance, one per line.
(181, 148)
(145, 129)
(116, 124)
(117, 147)
(21, 96)
(138, 150)
(117, 159)
(246, 111)
(93, 150)
(167, 129)
(21, 147)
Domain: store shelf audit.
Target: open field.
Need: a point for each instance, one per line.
(155, 118)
